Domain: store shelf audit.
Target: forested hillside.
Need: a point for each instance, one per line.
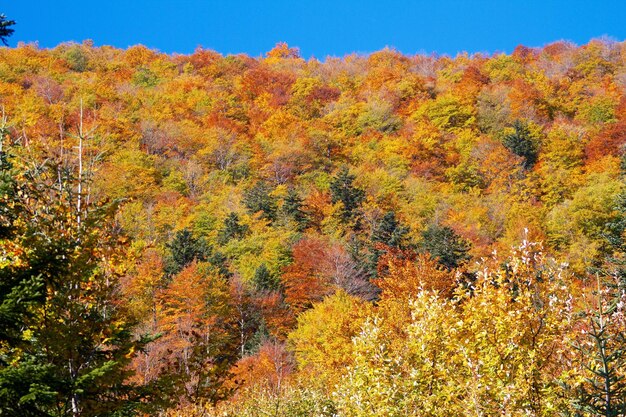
(380, 235)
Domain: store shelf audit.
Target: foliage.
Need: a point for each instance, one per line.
(5, 28)
(344, 192)
(303, 234)
(67, 348)
(521, 144)
(443, 243)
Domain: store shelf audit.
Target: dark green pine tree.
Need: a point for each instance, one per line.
(390, 232)
(184, 249)
(293, 209)
(258, 200)
(342, 190)
(19, 295)
(521, 144)
(386, 233)
(5, 29)
(443, 243)
(603, 354)
(219, 261)
(232, 229)
(614, 231)
(264, 280)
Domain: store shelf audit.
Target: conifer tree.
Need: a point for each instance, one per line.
(5, 28)
(232, 229)
(521, 144)
(342, 190)
(184, 249)
(293, 209)
(603, 355)
(258, 199)
(445, 245)
(67, 342)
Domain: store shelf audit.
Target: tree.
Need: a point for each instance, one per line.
(292, 208)
(603, 354)
(258, 199)
(184, 249)
(5, 28)
(387, 233)
(322, 342)
(232, 229)
(343, 191)
(521, 144)
(67, 351)
(264, 280)
(198, 343)
(445, 245)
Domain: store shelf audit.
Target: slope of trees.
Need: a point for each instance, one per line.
(371, 235)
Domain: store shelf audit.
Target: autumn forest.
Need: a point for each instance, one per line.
(373, 235)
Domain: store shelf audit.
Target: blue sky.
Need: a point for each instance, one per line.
(318, 27)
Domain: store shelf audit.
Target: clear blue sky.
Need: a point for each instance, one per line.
(318, 27)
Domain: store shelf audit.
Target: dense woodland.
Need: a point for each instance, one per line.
(379, 235)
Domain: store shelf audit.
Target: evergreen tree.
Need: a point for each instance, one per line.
(232, 229)
(603, 353)
(258, 199)
(342, 190)
(263, 279)
(445, 245)
(65, 343)
(5, 29)
(184, 249)
(219, 261)
(521, 144)
(292, 208)
(614, 233)
(388, 232)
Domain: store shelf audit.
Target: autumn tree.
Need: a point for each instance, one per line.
(197, 343)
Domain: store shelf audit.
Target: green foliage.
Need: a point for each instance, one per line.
(292, 208)
(447, 112)
(388, 232)
(521, 143)
(69, 348)
(603, 355)
(264, 280)
(184, 249)
(144, 77)
(343, 191)
(76, 58)
(232, 229)
(5, 29)
(258, 199)
(444, 244)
